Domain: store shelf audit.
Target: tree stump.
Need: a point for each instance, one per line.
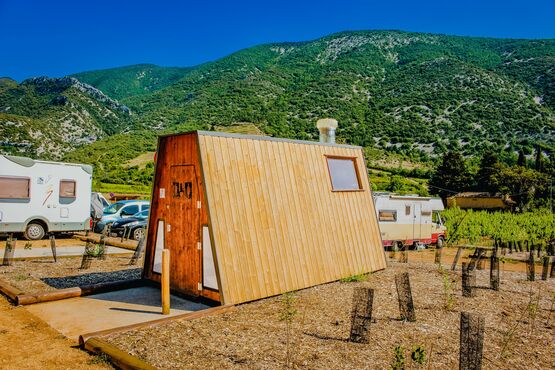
(406, 305)
(494, 271)
(361, 315)
(531, 276)
(471, 341)
(53, 247)
(545, 267)
(468, 280)
(9, 251)
(456, 259)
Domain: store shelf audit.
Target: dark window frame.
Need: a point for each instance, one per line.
(74, 189)
(355, 165)
(18, 178)
(392, 211)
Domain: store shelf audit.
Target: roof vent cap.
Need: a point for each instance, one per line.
(327, 127)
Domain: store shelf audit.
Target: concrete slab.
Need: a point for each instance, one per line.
(75, 316)
(70, 251)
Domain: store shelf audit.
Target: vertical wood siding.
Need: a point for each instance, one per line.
(276, 223)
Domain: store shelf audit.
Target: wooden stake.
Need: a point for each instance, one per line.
(437, 258)
(468, 280)
(406, 306)
(9, 251)
(552, 274)
(471, 341)
(531, 276)
(361, 315)
(545, 267)
(456, 260)
(494, 271)
(139, 249)
(53, 247)
(166, 282)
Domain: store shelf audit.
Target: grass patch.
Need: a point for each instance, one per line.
(354, 278)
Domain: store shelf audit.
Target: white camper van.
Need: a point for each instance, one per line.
(409, 220)
(39, 197)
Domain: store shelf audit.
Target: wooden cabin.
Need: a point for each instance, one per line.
(480, 200)
(247, 217)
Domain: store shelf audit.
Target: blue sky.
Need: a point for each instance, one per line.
(56, 38)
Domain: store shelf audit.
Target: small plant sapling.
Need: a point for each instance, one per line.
(398, 358)
(287, 314)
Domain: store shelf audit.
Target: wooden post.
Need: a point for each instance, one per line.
(471, 341)
(494, 271)
(102, 244)
(437, 258)
(406, 306)
(545, 267)
(9, 251)
(539, 250)
(531, 276)
(394, 249)
(404, 254)
(456, 260)
(361, 315)
(138, 250)
(165, 282)
(53, 247)
(552, 274)
(468, 280)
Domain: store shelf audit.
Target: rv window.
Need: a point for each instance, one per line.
(14, 187)
(67, 188)
(407, 210)
(343, 174)
(387, 216)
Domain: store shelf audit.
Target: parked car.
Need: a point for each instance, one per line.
(121, 209)
(132, 226)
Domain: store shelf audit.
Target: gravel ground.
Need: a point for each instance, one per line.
(254, 337)
(37, 276)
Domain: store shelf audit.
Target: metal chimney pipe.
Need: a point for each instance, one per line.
(327, 127)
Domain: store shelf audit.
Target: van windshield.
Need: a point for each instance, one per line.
(114, 208)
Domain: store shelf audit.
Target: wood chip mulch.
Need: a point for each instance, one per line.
(518, 318)
(39, 276)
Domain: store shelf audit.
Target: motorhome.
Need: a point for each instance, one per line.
(40, 197)
(409, 220)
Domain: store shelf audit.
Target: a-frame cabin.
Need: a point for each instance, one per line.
(248, 217)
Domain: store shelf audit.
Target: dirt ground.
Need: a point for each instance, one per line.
(28, 343)
(40, 275)
(519, 327)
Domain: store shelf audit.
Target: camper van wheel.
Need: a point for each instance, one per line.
(138, 233)
(34, 231)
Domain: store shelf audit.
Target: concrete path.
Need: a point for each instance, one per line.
(75, 316)
(62, 251)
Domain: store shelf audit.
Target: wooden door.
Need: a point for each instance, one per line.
(183, 236)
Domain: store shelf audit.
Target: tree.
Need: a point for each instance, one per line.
(522, 184)
(521, 158)
(452, 175)
(489, 167)
(395, 184)
(539, 159)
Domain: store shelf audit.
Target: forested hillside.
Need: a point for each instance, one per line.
(410, 96)
(47, 117)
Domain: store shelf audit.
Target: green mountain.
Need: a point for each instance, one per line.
(410, 96)
(47, 117)
(132, 80)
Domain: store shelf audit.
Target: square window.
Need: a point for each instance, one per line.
(343, 174)
(407, 210)
(67, 188)
(15, 187)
